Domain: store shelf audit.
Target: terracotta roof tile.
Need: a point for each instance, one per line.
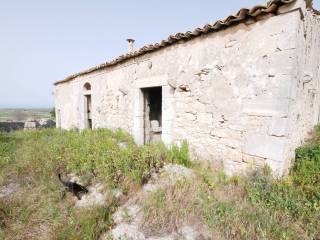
(243, 14)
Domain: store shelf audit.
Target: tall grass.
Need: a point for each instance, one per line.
(33, 159)
(257, 207)
(43, 153)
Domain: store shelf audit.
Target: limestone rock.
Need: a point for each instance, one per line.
(279, 127)
(9, 189)
(172, 236)
(265, 146)
(128, 232)
(189, 233)
(74, 178)
(126, 214)
(150, 187)
(95, 197)
(117, 194)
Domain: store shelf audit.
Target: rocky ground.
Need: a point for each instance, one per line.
(128, 218)
(9, 190)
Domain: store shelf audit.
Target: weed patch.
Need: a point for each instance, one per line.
(256, 207)
(35, 157)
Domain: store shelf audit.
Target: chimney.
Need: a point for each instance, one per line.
(130, 45)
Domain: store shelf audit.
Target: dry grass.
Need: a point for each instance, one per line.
(257, 207)
(42, 212)
(228, 208)
(173, 206)
(33, 158)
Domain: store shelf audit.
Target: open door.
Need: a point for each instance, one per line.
(87, 106)
(88, 114)
(152, 114)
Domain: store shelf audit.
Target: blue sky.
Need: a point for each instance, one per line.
(45, 41)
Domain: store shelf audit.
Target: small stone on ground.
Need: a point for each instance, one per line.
(95, 197)
(9, 189)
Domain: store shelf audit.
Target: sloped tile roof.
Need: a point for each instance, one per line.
(243, 14)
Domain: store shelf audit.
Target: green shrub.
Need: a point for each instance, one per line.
(297, 195)
(305, 172)
(98, 152)
(7, 148)
(238, 219)
(180, 155)
(45, 152)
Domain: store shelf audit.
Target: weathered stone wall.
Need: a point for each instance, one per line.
(229, 94)
(305, 99)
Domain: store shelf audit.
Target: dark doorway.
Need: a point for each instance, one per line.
(152, 114)
(88, 111)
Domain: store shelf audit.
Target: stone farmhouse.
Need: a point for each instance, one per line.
(243, 92)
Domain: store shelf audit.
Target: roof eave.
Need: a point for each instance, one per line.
(241, 16)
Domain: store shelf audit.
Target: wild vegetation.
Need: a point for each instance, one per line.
(34, 158)
(255, 207)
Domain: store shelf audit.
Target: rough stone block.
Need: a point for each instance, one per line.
(265, 146)
(254, 160)
(154, 81)
(278, 127)
(219, 132)
(204, 118)
(233, 155)
(281, 86)
(190, 117)
(231, 167)
(198, 107)
(276, 167)
(231, 143)
(266, 107)
(285, 59)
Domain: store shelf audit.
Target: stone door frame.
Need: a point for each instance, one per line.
(167, 108)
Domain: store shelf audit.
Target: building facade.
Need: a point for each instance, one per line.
(243, 92)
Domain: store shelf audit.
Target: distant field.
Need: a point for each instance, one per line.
(24, 114)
